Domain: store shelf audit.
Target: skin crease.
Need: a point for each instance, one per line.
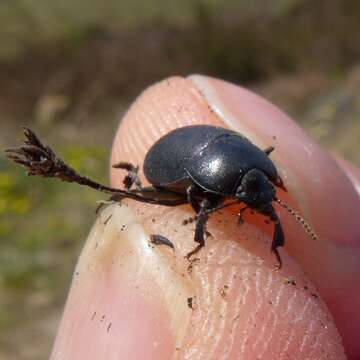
(242, 308)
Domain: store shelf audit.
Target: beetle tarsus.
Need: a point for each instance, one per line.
(278, 238)
(269, 150)
(132, 178)
(200, 229)
(280, 183)
(278, 258)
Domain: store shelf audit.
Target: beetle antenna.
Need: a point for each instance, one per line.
(303, 223)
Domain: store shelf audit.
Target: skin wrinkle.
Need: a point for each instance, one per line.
(216, 277)
(244, 332)
(289, 341)
(291, 301)
(215, 280)
(229, 324)
(308, 325)
(139, 145)
(315, 346)
(206, 321)
(314, 339)
(315, 328)
(258, 302)
(232, 317)
(196, 331)
(211, 316)
(269, 315)
(224, 256)
(266, 339)
(279, 296)
(217, 316)
(129, 142)
(278, 310)
(268, 286)
(248, 325)
(229, 280)
(126, 148)
(136, 144)
(254, 318)
(225, 315)
(305, 338)
(140, 139)
(292, 331)
(238, 301)
(150, 128)
(204, 296)
(301, 314)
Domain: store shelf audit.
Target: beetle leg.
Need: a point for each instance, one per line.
(240, 214)
(201, 218)
(278, 240)
(199, 234)
(216, 203)
(278, 237)
(132, 177)
(190, 193)
(269, 150)
(279, 183)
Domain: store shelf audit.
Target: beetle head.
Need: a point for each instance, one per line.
(255, 190)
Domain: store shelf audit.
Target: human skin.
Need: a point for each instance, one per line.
(129, 298)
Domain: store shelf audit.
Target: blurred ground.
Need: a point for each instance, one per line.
(70, 73)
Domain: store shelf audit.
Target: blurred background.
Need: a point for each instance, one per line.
(70, 69)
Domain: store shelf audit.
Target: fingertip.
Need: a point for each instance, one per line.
(312, 177)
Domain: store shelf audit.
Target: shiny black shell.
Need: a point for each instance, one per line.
(214, 158)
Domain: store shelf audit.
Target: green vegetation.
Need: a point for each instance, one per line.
(43, 224)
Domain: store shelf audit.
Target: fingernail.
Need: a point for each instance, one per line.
(128, 298)
(352, 172)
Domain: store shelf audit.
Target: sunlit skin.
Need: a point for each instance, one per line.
(242, 306)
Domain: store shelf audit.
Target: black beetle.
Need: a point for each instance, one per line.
(200, 165)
